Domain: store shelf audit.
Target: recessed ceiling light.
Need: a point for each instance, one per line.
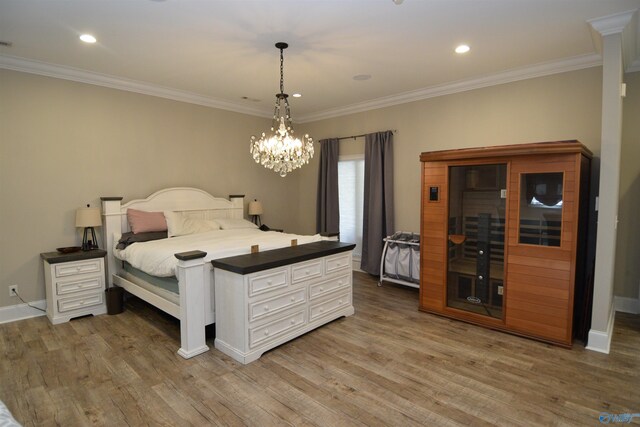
(362, 77)
(297, 95)
(88, 38)
(463, 48)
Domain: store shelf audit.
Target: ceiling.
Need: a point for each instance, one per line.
(219, 52)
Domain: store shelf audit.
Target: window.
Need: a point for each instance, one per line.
(541, 208)
(351, 197)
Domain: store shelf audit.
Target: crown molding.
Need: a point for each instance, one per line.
(626, 25)
(68, 73)
(513, 75)
(611, 24)
(82, 76)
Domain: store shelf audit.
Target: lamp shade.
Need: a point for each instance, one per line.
(255, 208)
(88, 217)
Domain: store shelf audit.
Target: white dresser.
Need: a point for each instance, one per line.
(74, 284)
(260, 306)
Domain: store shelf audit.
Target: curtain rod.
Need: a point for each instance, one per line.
(360, 136)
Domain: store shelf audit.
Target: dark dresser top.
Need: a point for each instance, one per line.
(250, 263)
(56, 257)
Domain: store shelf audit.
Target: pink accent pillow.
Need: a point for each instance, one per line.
(142, 221)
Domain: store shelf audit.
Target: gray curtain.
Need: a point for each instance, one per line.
(377, 221)
(327, 206)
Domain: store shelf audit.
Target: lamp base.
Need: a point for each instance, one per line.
(256, 220)
(89, 239)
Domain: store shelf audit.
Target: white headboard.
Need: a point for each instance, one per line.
(193, 202)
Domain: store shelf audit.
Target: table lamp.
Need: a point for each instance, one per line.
(255, 210)
(88, 218)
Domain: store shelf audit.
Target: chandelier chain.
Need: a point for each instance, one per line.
(281, 72)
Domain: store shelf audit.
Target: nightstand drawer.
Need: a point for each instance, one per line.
(275, 328)
(75, 303)
(260, 283)
(308, 270)
(78, 267)
(336, 263)
(330, 305)
(329, 286)
(260, 309)
(71, 286)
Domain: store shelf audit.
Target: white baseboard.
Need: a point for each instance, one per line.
(356, 264)
(627, 305)
(17, 312)
(600, 341)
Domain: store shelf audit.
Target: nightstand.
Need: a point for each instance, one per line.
(74, 284)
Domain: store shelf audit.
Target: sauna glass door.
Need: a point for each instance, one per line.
(475, 272)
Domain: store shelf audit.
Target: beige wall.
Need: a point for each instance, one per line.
(558, 107)
(627, 267)
(65, 144)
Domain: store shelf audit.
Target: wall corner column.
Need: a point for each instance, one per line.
(610, 31)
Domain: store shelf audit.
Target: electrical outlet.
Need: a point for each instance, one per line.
(13, 290)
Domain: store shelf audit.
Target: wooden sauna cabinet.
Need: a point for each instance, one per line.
(503, 237)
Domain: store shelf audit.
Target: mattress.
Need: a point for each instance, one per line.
(169, 284)
(157, 258)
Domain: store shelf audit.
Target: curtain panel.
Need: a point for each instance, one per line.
(378, 217)
(327, 205)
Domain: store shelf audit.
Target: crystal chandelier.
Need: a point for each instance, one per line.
(280, 150)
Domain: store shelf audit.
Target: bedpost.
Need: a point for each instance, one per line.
(111, 222)
(238, 205)
(190, 273)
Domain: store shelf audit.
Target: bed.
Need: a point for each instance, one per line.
(189, 262)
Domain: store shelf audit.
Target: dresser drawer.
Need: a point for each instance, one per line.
(306, 271)
(79, 302)
(64, 287)
(276, 328)
(337, 263)
(78, 267)
(325, 307)
(324, 288)
(264, 282)
(261, 309)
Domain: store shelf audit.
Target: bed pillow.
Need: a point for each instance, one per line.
(179, 224)
(129, 238)
(235, 223)
(143, 221)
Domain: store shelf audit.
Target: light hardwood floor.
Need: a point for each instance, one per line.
(389, 364)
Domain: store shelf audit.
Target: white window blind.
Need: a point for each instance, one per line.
(351, 196)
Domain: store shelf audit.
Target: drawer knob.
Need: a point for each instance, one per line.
(480, 277)
(306, 272)
(339, 301)
(266, 308)
(78, 269)
(339, 282)
(293, 321)
(268, 282)
(321, 289)
(293, 299)
(321, 309)
(266, 332)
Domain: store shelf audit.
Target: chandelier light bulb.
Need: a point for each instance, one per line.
(280, 150)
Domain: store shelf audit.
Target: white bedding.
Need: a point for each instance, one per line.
(157, 257)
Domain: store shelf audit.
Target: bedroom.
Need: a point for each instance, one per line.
(67, 143)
